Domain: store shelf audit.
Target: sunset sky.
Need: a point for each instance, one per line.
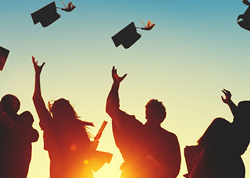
(194, 51)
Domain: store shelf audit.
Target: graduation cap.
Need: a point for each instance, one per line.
(244, 19)
(127, 36)
(46, 15)
(3, 57)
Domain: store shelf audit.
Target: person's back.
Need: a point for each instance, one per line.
(145, 149)
(216, 155)
(68, 147)
(163, 146)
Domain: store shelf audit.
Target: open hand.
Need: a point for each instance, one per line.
(115, 76)
(228, 96)
(38, 69)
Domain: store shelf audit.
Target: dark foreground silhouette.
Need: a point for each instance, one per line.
(16, 136)
(148, 150)
(71, 153)
(219, 150)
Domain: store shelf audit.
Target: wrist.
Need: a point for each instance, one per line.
(116, 84)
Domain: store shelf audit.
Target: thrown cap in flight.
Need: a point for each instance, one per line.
(3, 57)
(244, 19)
(127, 36)
(46, 15)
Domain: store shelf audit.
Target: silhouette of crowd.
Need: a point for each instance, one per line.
(147, 149)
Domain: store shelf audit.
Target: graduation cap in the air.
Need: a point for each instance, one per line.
(3, 57)
(46, 15)
(244, 19)
(127, 36)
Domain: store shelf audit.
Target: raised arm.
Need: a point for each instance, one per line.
(112, 105)
(38, 101)
(229, 102)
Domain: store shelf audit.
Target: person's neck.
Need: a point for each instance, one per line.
(151, 124)
(12, 115)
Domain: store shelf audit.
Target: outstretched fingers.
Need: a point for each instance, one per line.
(116, 77)
(33, 60)
(227, 94)
(42, 65)
(123, 77)
(37, 68)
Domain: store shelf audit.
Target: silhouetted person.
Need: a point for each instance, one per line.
(240, 127)
(219, 150)
(212, 154)
(65, 137)
(16, 142)
(148, 150)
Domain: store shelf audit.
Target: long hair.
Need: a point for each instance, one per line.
(62, 111)
(216, 135)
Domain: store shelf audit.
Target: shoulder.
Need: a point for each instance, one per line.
(169, 135)
(26, 114)
(129, 123)
(130, 119)
(26, 117)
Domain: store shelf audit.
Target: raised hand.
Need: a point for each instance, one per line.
(38, 69)
(228, 96)
(117, 79)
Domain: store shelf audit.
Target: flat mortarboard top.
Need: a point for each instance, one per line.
(127, 36)
(245, 22)
(3, 57)
(46, 15)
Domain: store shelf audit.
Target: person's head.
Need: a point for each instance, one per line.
(10, 104)
(61, 110)
(243, 112)
(155, 112)
(217, 134)
(27, 119)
